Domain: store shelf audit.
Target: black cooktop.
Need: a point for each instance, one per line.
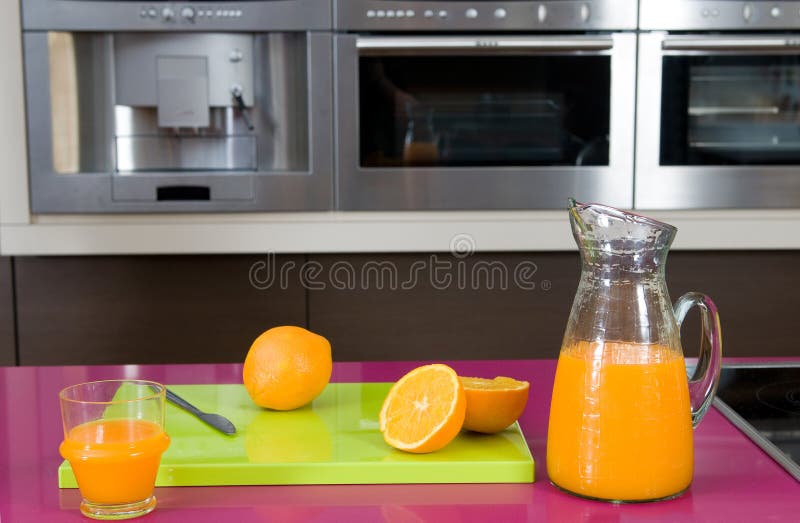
(763, 400)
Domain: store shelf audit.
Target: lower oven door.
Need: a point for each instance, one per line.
(718, 121)
(484, 122)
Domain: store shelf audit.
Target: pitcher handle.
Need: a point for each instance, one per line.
(704, 381)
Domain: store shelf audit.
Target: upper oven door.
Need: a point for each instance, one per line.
(484, 122)
(718, 121)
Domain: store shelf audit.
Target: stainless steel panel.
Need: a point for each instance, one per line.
(699, 15)
(688, 187)
(182, 87)
(789, 44)
(229, 59)
(529, 15)
(185, 153)
(110, 15)
(487, 188)
(229, 188)
(477, 45)
(78, 80)
(290, 80)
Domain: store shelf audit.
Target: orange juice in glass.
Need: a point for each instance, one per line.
(113, 439)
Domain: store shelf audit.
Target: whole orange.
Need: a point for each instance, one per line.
(287, 367)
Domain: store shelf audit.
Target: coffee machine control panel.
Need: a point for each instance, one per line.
(177, 13)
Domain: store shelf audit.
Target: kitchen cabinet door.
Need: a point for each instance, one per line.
(442, 306)
(7, 347)
(147, 309)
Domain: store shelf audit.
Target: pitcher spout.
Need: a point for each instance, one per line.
(575, 217)
(607, 235)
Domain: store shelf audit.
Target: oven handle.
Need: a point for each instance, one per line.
(702, 44)
(381, 45)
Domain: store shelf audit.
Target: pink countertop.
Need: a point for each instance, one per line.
(734, 480)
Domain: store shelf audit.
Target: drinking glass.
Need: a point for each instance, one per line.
(420, 146)
(113, 439)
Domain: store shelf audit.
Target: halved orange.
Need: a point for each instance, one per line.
(424, 410)
(493, 405)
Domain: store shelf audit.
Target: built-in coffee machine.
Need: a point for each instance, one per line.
(178, 106)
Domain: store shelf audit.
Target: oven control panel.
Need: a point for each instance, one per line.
(487, 15)
(694, 15)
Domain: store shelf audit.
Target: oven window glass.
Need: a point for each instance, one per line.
(730, 110)
(484, 110)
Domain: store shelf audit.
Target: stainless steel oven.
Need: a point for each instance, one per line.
(483, 105)
(178, 106)
(718, 116)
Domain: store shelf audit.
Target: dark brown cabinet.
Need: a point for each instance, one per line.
(181, 309)
(439, 306)
(145, 309)
(756, 293)
(7, 334)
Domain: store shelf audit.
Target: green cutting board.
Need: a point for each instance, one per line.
(335, 440)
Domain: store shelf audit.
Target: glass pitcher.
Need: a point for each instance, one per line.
(420, 147)
(622, 410)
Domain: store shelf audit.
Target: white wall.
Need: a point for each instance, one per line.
(13, 159)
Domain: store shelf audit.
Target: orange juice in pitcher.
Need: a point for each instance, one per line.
(623, 410)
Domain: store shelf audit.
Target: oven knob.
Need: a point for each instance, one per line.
(371, 13)
(168, 14)
(187, 13)
(775, 12)
(500, 13)
(442, 14)
(747, 12)
(541, 13)
(471, 13)
(428, 13)
(585, 13)
(152, 13)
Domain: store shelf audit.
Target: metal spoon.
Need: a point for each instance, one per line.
(220, 423)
